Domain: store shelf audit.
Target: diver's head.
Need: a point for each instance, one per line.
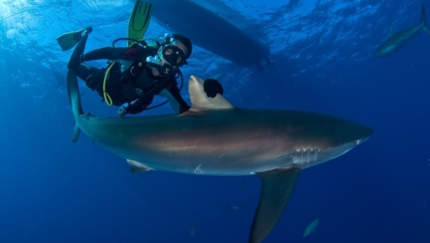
(184, 43)
(175, 49)
(173, 53)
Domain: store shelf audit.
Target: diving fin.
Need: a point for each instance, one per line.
(139, 20)
(68, 40)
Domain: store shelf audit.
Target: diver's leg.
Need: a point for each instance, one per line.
(92, 76)
(80, 47)
(77, 55)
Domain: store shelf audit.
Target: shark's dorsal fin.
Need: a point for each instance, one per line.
(200, 101)
(278, 186)
(137, 166)
(392, 32)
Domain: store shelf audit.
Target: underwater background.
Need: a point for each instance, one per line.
(52, 190)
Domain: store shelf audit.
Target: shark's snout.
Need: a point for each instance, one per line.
(363, 133)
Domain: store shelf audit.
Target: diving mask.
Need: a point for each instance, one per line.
(170, 52)
(174, 57)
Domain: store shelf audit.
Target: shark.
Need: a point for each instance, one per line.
(218, 139)
(400, 39)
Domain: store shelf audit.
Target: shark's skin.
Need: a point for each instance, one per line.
(400, 39)
(215, 138)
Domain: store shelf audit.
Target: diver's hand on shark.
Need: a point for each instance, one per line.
(212, 87)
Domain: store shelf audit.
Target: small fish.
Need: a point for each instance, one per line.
(235, 207)
(311, 227)
(193, 230)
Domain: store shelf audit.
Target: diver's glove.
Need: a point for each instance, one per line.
(212, 87)
(75, 60)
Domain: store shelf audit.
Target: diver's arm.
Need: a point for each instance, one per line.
(113, 53)
(110, 53)
(176, 101)
(171, 92)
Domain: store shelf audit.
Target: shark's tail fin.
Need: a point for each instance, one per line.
(424, 20)
(75, 101)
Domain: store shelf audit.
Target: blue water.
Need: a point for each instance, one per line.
(52, 190)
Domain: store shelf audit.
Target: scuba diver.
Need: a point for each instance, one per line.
(138, 73)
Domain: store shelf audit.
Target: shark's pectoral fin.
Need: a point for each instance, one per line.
(278, 186)
(137, 166)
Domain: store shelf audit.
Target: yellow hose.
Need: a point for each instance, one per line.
(106, 96)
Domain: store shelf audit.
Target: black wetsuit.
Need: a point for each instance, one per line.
(133, 82)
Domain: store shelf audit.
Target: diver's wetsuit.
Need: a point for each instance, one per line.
(125, 84)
